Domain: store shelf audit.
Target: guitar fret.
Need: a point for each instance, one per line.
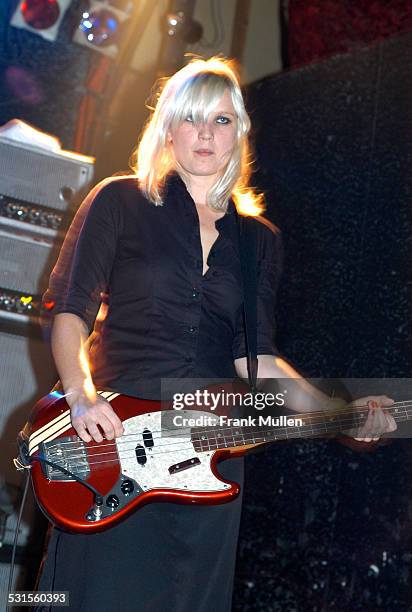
(314, 425)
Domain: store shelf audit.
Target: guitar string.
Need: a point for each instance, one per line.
(115, 460)
(217, 430)
(282, 431)
(307, 416)
(255, 440)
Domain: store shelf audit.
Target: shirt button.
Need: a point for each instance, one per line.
(195, 293)
(192, 329)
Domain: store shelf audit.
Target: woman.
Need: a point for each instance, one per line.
(163, 244)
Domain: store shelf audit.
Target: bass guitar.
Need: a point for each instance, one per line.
(88, 487)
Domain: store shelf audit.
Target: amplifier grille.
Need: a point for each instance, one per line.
(26, 262)
(41, 177)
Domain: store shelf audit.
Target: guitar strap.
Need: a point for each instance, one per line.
(247, 250)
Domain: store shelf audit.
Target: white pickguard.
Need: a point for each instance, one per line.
(170, 448)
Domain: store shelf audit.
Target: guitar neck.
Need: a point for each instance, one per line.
(253, 431)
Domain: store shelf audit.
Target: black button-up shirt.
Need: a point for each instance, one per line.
(165, 318)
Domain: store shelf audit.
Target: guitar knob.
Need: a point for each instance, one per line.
(112, 501)
(127, 487)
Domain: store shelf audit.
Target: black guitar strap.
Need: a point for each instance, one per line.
(247, 249)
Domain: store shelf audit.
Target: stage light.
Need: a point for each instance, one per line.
(42, 17)
(101, 26)
(40, 14)
(183, 27)
(174, 23)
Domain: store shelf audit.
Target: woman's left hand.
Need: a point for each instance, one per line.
(378, 420)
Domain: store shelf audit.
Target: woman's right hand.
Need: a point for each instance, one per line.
(91, 411)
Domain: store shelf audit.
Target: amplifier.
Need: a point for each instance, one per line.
(26, 263)
(27, 373)
(34, 169)
(40, 185)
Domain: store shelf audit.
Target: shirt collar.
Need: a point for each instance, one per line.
(231, 207)
(175, 183)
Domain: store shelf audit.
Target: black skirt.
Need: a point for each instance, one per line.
(163, 558)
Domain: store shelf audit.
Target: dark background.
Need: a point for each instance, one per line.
(331, 527)
(324, 527)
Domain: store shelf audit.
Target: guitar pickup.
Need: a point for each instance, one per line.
(184, 465)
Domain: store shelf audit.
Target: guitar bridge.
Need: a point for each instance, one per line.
(68, 453)
(184, 465)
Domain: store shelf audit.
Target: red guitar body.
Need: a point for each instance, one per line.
(148, 463)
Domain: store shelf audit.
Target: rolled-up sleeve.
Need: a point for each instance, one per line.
(82, 271)
(269, 252)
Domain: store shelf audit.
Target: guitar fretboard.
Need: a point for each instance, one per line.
(260, 429)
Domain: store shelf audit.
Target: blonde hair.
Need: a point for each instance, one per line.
(195, 90)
